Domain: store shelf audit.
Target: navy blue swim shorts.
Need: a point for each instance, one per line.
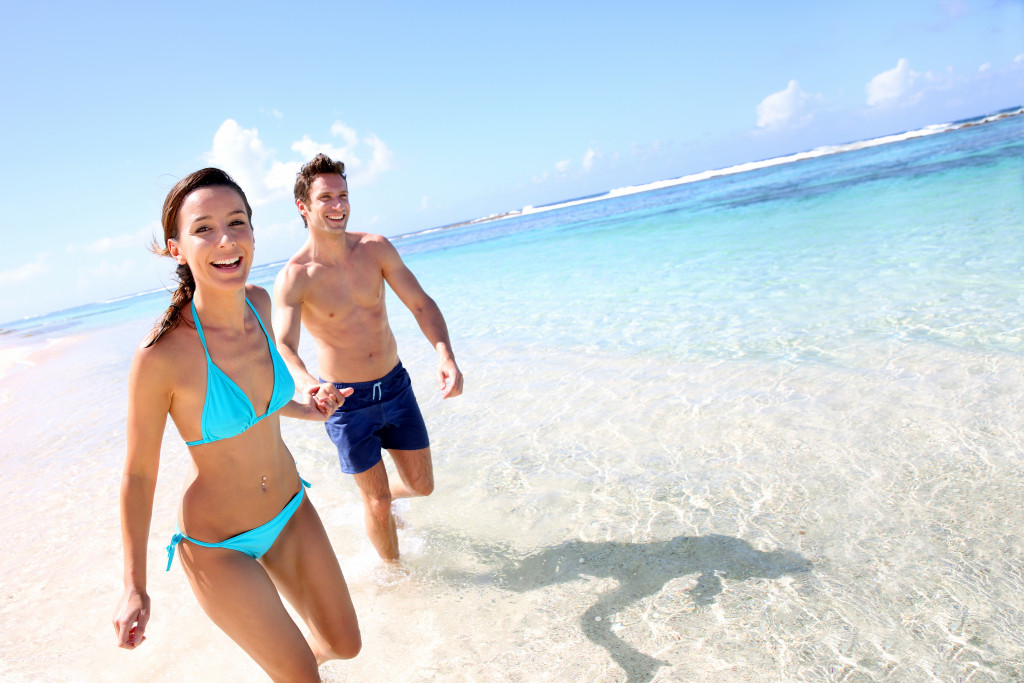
(378, 414)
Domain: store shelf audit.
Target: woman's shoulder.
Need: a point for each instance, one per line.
(164, 351)
(259, 298)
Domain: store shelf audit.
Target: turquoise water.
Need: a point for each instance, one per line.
(765, 426)
(919, 238)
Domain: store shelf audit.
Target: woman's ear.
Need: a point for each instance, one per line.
(175, 252)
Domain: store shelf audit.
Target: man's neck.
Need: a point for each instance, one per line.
(328, 247)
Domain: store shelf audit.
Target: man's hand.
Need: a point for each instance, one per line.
(327, 397)
(450, 378)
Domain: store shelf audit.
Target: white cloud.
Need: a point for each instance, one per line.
(280, 179)
(134, 240)
(359, 172)
(108, 273)
(381, 159)
(26, 272)
(339, 129)
(894, 85)
(955, 8)
(241, 153)
(588, 159)
(265, 178)
(1018, 60)
(789, 106)
(562, 166)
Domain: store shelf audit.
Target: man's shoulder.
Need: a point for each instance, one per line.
(368, 239)
(296, 270)
(375, 247)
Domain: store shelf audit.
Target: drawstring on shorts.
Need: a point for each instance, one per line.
(378, 393)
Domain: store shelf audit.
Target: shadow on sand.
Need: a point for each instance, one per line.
(641, 570)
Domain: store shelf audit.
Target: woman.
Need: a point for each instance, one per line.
(211, 364)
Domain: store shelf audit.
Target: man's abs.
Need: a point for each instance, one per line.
(347, 355)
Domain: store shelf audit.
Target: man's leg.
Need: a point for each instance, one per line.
(415, 473)
(380, 525)
(415, 478)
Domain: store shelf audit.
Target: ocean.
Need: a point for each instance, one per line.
(762, 423)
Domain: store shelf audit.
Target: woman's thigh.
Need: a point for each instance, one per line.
(305, 569)
(237, 594)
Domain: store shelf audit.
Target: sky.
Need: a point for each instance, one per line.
(442, 111)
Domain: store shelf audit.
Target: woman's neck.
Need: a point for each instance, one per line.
(221, 308)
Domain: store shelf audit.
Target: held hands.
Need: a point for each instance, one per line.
(131, 618)
(449, 378)
(326, 398)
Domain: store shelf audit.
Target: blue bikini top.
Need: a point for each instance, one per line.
(227, 411)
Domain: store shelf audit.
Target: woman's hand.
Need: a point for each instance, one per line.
(328, 397)
(320, 403)
(131, 618)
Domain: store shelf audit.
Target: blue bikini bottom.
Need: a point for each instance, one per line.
(255, 542)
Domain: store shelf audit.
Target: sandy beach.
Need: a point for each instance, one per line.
(770, 534)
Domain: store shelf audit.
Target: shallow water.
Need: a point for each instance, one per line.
(767, 427)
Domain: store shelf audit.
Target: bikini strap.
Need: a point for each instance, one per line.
(258, 319)
(199, 329)
(175, 540)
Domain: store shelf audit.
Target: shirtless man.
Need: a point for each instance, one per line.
(334, 285)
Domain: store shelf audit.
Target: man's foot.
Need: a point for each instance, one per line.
(389, 574)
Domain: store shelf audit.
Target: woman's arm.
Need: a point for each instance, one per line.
(149, 399)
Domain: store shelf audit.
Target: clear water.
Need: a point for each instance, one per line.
(766, 426)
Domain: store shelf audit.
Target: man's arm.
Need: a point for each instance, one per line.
(428, 317)
(287, 326)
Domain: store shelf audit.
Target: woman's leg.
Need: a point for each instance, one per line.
(305, 569)
(237, 594)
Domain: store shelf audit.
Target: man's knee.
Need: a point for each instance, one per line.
(423, 486)
(378, 506)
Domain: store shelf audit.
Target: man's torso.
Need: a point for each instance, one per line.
(343, 308)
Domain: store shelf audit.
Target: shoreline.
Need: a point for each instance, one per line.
(817, 152)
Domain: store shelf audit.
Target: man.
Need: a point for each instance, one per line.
(334, 285)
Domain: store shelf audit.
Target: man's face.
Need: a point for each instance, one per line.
(328, 207)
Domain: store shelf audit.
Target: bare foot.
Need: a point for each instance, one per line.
(391, 573)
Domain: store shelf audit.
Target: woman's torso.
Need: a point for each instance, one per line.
(240, 482)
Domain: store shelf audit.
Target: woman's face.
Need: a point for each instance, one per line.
(214, 237)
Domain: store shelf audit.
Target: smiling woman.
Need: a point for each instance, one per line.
(246, 530)
(177, 199)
